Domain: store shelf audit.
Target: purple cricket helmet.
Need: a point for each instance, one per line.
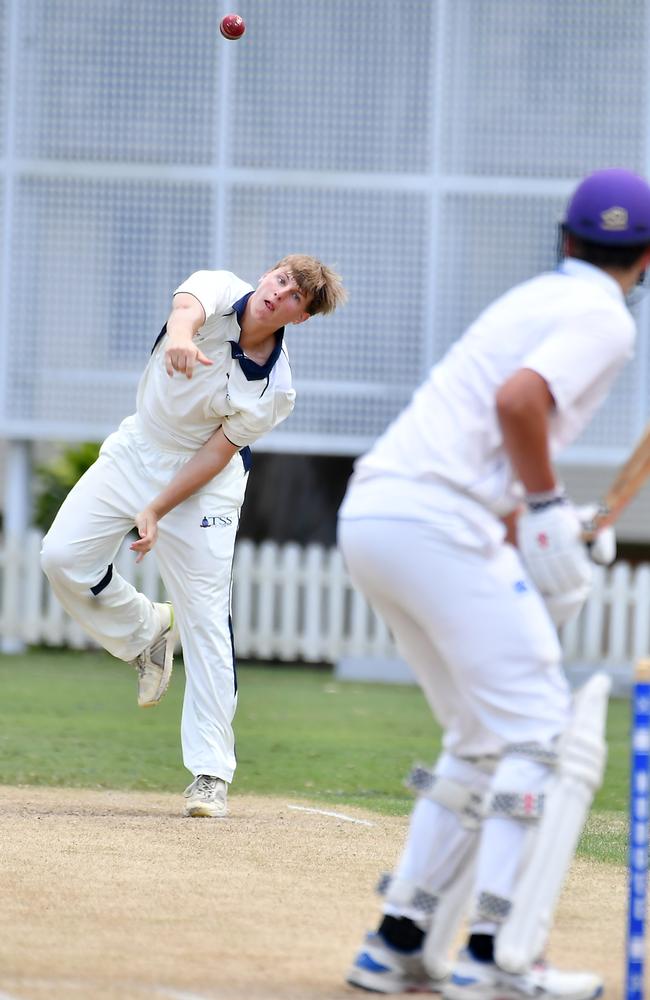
(610, 207)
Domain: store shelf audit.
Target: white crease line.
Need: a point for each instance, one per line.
(176, 994)
(326, 812)
(75, 984)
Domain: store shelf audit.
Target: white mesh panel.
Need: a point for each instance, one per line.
(488, 243)
(491, 242)
(95, 264)
(424, 148)
(334, 85)
(4, 31)
(378, 240)
(336, 413)
(546, 89)
(121, 80)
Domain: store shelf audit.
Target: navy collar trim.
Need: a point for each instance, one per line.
(239, 306)
(250, 368)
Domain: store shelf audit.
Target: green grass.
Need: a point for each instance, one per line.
(69, 718)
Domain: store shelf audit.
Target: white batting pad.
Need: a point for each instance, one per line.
(582, 754)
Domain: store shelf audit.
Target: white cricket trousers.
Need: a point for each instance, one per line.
(471, 626)
(194, 552)
(482, 646)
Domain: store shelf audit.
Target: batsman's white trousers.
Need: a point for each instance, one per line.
(470, 625)
(479, 639)
(194, 552)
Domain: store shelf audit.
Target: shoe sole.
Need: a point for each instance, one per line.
(168, 666)
(454, 992)
(366, 989)
(205, 811)
(396, 989)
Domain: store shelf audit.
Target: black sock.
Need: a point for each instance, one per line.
(401, 933)
(481, 947)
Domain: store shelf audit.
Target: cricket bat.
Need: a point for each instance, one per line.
(627, 483)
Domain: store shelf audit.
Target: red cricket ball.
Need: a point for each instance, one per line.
(232, 26)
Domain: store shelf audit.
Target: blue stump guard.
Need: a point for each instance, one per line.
(638, 834)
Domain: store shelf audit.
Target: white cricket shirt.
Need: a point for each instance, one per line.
(571, 326)
(236, 393)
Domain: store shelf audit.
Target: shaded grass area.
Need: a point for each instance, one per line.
(70, 718)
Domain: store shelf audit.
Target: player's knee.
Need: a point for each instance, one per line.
(48, 557)
(520, 782)
(520, 773)
(577, 760)
(457, 784)
(476, 770)
(56, 558)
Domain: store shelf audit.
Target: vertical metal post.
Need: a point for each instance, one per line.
(17, 519)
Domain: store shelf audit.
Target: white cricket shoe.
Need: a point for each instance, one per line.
(380, 968)
(206, 796)
(154, 664)
(472, 980)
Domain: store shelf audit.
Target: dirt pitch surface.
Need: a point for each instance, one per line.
(116, 896)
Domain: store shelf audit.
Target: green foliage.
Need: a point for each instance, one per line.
(70, 718)
(55, 479)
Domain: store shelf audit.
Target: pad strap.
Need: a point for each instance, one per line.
(466, 802)
(402, 893)
(491, 908)
(551, 845)
(532, 751)
(517, 805)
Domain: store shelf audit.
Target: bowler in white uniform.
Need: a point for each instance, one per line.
(423, 530)
(218, 378)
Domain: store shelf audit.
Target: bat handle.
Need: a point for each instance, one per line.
(600, 520)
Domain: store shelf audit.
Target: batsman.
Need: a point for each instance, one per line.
(457, 529)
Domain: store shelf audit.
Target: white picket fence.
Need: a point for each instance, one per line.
(293, 603)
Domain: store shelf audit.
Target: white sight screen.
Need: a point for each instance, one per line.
(424, 147)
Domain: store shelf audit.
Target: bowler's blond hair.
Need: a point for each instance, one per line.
(322, 286)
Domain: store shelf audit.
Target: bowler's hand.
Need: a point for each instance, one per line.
(182, 355)
(147, 524)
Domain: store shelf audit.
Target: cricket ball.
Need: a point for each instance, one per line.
(232, 26)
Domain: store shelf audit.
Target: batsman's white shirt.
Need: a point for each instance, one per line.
(174, 417)
(419, 526)
(571, 326)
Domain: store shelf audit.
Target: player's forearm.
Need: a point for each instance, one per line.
(181, 325)
(527, 446)
(523, 404)
(199, 470)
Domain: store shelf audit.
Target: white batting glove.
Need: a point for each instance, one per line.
(551, 547)
(602, 548)
(564, 607)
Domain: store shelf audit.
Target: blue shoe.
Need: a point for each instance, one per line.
(380, 968)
